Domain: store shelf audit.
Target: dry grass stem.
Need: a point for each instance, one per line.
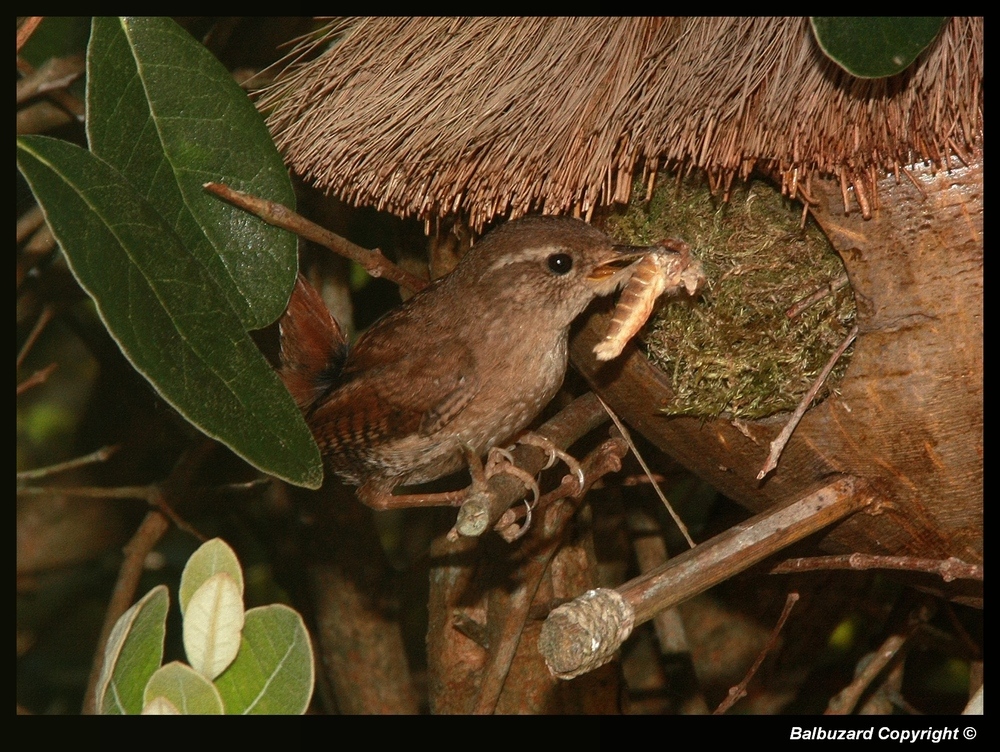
(656, 486)
(505, 116)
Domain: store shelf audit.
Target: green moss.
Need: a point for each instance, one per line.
(734, 351)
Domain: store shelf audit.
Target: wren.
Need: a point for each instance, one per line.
(461, 367)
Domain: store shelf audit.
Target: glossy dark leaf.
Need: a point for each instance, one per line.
(166, 311)
(875, 47)
(169, 117)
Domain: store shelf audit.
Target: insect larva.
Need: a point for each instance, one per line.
(651, 276)
(635, 304)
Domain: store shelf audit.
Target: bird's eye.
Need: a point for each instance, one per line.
(560, 263)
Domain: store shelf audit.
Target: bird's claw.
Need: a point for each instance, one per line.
(555, 453)
(500, 462)
(509, 536)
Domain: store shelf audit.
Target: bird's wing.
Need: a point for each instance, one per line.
(416, 392)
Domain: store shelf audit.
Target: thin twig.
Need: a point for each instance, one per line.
(740, 690)
(66, 100)
(39, 246)
(656, 486)
(55, 75)
(604, 459)
(26, 29)
(100, 455)
(137, 549)
(28, 222)
(41, 117)
(38, 377)
(152, 495)
(844, 701)
(43, 319)
(949, 569)
(142, 493)
(828, 289)
(373, 261)
(779, 442)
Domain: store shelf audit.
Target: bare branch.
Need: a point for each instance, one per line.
(949, 569)
(374, 262)
(570, 648)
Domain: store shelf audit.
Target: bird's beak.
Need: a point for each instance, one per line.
(623, 257)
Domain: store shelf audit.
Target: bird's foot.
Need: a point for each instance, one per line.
(500, 462)
(378, 494)
(555, 453)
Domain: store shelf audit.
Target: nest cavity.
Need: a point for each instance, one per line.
(735, 351)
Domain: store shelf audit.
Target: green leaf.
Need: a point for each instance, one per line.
(273, 672)
(168, 116)
(160, 706)
(165, 311)
(212, 625)
(133, 653)
(874, 47)
(212, 557)
(186, 691)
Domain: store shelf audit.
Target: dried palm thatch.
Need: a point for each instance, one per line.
(485, 116)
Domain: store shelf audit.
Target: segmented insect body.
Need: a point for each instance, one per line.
(652, 275)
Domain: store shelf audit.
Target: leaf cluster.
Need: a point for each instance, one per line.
(179, 278)
(254, 662)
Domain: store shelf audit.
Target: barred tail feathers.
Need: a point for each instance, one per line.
(313, 346)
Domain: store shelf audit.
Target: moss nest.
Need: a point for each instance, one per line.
(735, 352)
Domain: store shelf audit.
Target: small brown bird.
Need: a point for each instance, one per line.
(461, 367)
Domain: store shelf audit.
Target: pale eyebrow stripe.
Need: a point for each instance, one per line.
(525, 253)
